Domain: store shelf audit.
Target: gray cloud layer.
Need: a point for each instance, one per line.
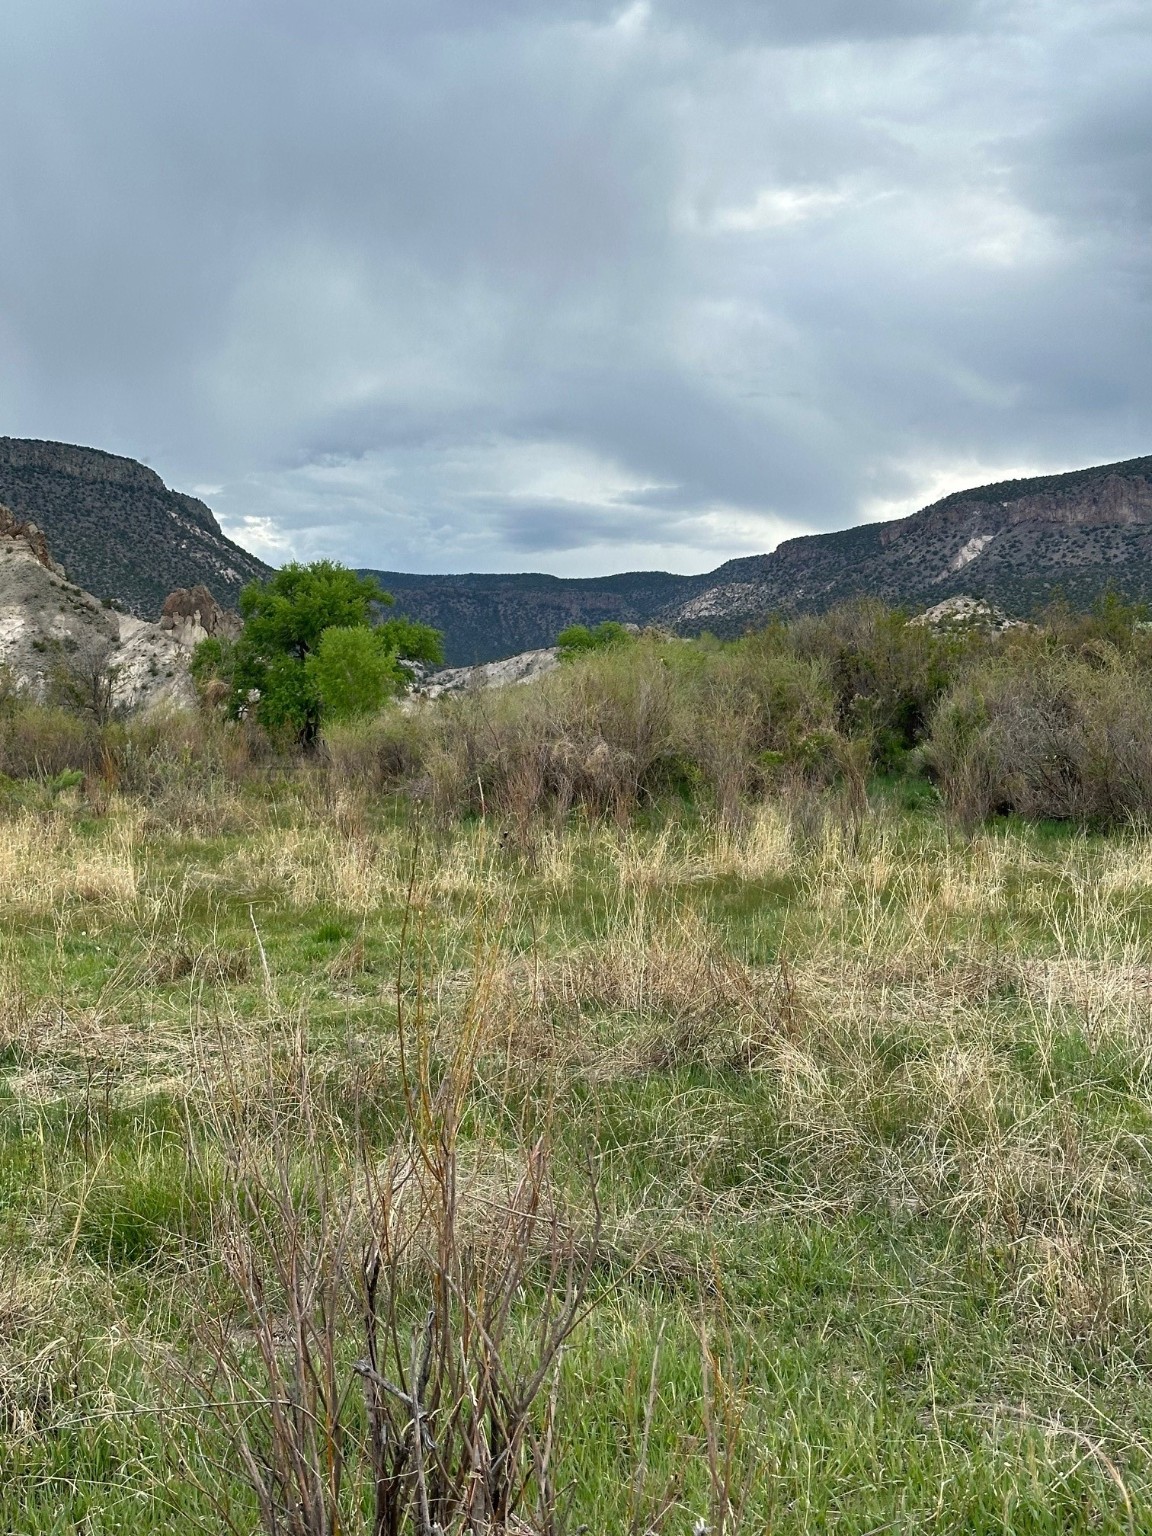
(467, 284)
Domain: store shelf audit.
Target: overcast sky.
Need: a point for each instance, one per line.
(571, 285)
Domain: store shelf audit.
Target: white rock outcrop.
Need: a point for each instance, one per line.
(524, 668)
(963, 612)
(57, 640)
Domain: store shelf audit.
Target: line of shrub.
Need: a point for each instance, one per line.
(1052, 720)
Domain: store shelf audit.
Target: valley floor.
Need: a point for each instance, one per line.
(866, 1114)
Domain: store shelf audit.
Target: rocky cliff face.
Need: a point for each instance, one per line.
(1017, 544)
(21, 540)
(57, 642)
(116, 527)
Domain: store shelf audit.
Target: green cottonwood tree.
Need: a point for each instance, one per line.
(352, 672)
(281, 666)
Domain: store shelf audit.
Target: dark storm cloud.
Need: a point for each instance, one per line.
(463, 283)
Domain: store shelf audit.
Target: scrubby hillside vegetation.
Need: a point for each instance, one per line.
(1048, 721)
(1017, 543)
(704, 1088)
(119, 531)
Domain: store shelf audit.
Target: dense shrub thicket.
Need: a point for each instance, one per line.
(1053, 720)
(1046, 721)
(1047, 734)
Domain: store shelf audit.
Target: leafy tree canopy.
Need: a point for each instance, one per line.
(288, 613)
(309, 649)
(352, 672)
(415, 642)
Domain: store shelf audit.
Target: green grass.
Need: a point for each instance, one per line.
(900, 1184)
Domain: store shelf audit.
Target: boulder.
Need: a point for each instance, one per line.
(192, 614)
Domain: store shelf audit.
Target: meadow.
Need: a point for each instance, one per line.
(705, 1090)
(363, 1170)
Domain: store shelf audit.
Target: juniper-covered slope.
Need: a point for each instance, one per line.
(117, 529)
(1018, 544)
(486, 617)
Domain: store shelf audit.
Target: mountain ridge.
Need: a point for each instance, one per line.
(122, 534)
(117, 529)
(1016, 544)
(486, 617)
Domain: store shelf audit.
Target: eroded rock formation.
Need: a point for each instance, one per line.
(58, 643)
(192, 614)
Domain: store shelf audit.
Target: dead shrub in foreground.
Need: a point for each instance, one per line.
(388, 1360)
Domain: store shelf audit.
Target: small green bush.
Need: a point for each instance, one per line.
(578, 639)
(885, 672)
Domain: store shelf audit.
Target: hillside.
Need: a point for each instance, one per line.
(1018, 544)
(121, 533)
(117, 529)
(59, 644)
(488, 617)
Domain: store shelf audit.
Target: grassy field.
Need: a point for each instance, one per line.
(823, 1141)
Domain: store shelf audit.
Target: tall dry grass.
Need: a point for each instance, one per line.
(785, 1023)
